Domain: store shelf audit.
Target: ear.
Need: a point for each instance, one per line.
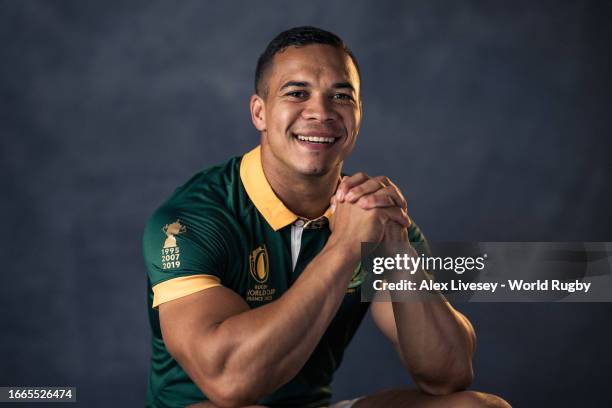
(258, 112)
(359, 116)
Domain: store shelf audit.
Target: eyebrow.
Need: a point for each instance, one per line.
(289, 84)
(337, 85)
(345, 85)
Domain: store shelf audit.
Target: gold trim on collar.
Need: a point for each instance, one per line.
(261, 194)
(328, 213)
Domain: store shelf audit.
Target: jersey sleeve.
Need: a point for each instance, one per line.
(184, 253)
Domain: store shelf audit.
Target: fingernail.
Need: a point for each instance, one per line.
(350, 196)
(340, 195)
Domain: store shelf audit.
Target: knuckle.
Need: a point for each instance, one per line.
(371, 185)
(369, 200)
(380, 181)
(395, 191)
(357, 190)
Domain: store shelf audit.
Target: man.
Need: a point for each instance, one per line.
(255, 292)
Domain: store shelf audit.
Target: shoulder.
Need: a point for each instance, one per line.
(195, 232)
(202, 208)
(210, 192)
(213, 186)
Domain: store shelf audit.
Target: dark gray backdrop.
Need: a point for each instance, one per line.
(492, 117)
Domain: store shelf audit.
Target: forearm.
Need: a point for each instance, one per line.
(435, 341)
(277, 339)
(435, 344)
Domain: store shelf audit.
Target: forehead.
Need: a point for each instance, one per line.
(316, 63)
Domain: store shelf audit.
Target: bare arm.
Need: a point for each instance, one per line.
(435, 341)
(236, 355)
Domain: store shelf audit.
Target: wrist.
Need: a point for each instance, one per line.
(349, 250)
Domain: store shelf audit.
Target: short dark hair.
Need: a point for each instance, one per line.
(296, 37)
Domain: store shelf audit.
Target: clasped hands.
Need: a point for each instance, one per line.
(376, 194)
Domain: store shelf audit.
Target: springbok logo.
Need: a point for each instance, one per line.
(259, 264)
(358, 277)
(171, 230)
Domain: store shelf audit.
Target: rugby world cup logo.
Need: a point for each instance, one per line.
(171, 230)
(259, 264)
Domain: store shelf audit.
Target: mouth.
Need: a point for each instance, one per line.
(322, 140)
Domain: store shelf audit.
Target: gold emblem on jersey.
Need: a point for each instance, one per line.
(171, 253)
(356, 279)
(259, 267)
(259, 264)
(171, 230)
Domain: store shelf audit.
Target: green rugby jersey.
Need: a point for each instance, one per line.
(226, 226)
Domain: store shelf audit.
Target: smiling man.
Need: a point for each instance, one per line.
(254, 284)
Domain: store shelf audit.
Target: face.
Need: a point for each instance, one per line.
(310, 116)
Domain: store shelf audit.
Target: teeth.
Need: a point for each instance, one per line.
(316, 139)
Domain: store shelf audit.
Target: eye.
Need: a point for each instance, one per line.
(343, 96)
(296, 94)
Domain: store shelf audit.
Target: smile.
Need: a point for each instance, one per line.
(316, 139)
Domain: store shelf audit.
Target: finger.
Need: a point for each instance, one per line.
(376, 200)
(367, 187)
(398, 215)
(398, 197)
(387, 197)
(349, 182)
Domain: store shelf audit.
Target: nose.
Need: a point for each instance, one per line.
(320, 108)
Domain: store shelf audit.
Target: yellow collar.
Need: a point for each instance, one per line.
(261, 194)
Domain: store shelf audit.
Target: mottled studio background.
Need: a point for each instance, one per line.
(493, 117)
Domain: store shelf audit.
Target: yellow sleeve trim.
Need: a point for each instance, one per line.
(182, 286)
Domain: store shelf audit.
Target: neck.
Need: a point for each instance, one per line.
(306, 196)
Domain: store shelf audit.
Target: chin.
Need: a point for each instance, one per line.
(315, 170)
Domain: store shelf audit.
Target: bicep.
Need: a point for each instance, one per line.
(189, 324)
